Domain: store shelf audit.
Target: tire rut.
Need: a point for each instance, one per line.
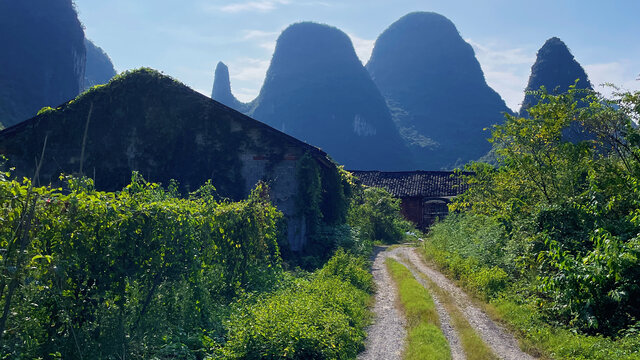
(503, 344)
(450, 333)
(387, 335)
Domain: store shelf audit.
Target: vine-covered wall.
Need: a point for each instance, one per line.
(147, 122)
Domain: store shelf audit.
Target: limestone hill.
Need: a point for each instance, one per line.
(99, 69)
(317, 90)
(556, 69)
(436, 90)
(42, 60)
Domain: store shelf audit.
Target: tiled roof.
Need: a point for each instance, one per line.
(432, 184)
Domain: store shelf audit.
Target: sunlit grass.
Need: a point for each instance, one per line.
(425, 340)
(472, 344)
(534, 334)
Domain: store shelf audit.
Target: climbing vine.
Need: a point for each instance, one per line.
(84, 272)
(323, 201)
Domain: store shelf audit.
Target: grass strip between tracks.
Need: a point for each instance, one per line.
(425, 339)
(472, 344)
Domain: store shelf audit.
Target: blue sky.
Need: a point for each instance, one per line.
(186, 38)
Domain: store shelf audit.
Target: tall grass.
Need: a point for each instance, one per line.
(455, 246)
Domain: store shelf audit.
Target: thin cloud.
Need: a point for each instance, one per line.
(253, 6)
(363, 47)
(505, 69)
(270, 46)
(263, 39)
(258, 34)
(618, 73)
(247, 74)
(246, 94)
(248, 69)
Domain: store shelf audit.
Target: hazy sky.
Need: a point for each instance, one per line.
(186, 38)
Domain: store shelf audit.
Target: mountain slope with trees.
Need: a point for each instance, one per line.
(436, 90)
(317, 90)
(42, 62)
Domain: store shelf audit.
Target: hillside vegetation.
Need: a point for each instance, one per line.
(436, 90)
(550, 237)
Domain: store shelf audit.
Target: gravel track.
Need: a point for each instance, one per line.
(503, 344)
(450, 333)
(386, 336)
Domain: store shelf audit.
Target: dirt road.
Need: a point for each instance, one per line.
(387, 334)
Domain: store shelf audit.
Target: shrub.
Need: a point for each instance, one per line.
(423, 323)
(598, 292)
(349, 268)
(319, 318)
(377, 216)
(471, 248)
(88, 273)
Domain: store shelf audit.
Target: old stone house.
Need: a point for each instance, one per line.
(424, 195)
(150, 123)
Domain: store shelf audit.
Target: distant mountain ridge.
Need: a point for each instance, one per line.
(430, 81)
(42, 62)
(99, 69)
(436, 90)
(221, 91)
(317, 90)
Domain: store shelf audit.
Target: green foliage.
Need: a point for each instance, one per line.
(320, 317)
(560, 343)
(45, 110)
(349, 268)
(598, 291)
(377, 216)
(479, 237)
(564, 204)
(309, 193)
(324, 195)
(133, 273)
(473, 249)
(424, 334)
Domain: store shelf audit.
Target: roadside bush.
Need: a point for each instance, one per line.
(486, 281)
(376, 215)
(349, 268)
(91, 274)
(322, 317)
(599, 291)
(471, 236)
(472, 249)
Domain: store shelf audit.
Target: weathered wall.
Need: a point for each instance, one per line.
(151, 124)
(282, 179)
(411, 209)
